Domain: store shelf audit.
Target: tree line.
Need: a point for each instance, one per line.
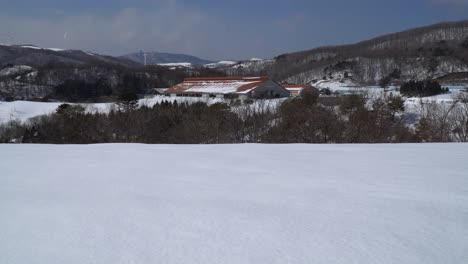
(354, 118)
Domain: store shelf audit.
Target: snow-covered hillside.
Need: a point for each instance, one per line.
(32, 47)
(39, 48)
(220, 64)
(235, 204)
(178, 64)
(13, 70)
(24, 110)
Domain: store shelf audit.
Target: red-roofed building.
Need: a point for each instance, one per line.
(229, 87)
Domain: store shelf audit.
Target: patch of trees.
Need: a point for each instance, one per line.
(464, 44)
(442, 49)
(348, 120)
(78, 90)
(422, 88)
(387, 80)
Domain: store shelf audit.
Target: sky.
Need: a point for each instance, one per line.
(213, 29)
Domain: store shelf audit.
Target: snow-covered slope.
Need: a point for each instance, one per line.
(13, 70)
(220, 64)
(235, 204)
(24, 110)
(39, 48)
(177, 64)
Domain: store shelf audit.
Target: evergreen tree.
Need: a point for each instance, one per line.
(464, 44)
(127, 101)
(422, 88)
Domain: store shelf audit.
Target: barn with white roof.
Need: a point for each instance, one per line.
(229, 87)
(297, 90)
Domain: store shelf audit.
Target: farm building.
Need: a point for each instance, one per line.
(300, 89)
(229, 87)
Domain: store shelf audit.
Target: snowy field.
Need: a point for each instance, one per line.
(234, 204)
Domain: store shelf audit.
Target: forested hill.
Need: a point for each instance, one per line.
(427, 52)
(29, 72)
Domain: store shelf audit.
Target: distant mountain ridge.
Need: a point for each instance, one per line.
(36, 56)
(153, 58)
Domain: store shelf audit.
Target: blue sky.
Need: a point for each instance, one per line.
(213, 29)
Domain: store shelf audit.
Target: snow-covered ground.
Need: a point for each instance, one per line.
(24, 110)
(235, 204)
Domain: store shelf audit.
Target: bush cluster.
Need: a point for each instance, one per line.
(422, 88)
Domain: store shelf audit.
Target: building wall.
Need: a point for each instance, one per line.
(270, 89)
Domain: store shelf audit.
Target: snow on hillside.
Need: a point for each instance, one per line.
(178, 64)
(13, 70)
(39, 48)
(335, 85)
(220, 204)
(227, 62)
(220, 64)
(24, 110)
